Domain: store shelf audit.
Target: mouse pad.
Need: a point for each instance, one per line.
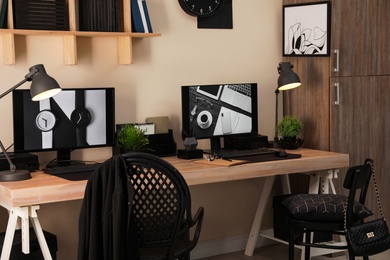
(269, 157)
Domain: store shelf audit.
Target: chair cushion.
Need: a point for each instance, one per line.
(322, 207)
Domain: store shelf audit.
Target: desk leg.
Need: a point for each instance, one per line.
(254, 234)
(39, 233)
(10, 231)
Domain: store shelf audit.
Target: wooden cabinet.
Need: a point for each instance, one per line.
(359, 124)
(124, 39)
(359, 37)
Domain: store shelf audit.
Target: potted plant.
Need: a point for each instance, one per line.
(131, 138)
(289, 128)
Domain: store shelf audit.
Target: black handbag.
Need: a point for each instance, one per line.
(372, 237)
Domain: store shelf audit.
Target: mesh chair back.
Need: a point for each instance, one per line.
(160, 201)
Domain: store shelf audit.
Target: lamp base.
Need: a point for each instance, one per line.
(18, 175)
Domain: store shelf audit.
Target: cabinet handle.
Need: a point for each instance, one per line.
(337, 68)
(337, 98)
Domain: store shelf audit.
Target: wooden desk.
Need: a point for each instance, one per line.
(23, 198)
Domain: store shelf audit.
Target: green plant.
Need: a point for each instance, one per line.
(290, 126)
(131, 138)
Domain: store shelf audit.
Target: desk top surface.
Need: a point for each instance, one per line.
(43, 188)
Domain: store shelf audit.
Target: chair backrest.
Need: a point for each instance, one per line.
(160, 201)
(357, 180)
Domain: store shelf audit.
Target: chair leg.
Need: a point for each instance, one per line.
(291, 243)
(307, 248)
(351, 256)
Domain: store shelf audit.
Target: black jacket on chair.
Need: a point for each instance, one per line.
(105, 223)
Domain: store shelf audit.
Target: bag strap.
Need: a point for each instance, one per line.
(376, 192)
(376, 189)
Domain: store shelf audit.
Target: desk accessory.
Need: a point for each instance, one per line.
(162, 144)
(288, 79)
(42, 87)
(190, 151)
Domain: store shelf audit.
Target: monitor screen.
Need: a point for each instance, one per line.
(214, 111)
(73, 119)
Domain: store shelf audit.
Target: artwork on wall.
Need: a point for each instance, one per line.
(306, 29)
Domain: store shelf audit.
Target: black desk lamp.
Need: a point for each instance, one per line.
(42, 87)
(288, 79)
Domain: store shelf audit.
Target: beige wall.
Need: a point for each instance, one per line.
(151, 87)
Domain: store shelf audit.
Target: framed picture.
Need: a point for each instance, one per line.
(306, 29)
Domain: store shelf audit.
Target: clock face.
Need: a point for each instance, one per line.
(81, 117)
(201, 8)
(45, 120)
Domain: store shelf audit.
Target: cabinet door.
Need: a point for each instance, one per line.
(360, 32)
(360, 124)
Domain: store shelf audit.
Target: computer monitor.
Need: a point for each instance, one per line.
(216, 111)
(74, 119)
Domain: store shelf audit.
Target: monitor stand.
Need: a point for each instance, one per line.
(215, 145)
(63, 159)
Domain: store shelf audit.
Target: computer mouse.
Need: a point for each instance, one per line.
(281, 153)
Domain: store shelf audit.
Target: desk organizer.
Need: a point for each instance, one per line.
(35, 250)
(162, 144)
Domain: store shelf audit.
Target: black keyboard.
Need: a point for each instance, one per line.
(230, 154)
(73, 168)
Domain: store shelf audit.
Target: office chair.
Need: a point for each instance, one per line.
(161, 208)
(324, 213)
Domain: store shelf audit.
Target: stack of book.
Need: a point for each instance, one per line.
(40, 14)
(140, 17)
(101, 16)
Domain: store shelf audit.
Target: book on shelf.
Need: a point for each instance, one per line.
(140, 17)
(3, 13)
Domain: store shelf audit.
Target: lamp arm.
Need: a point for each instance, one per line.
(13, 88)
(276, 114)
(28, 77)
(12, 167)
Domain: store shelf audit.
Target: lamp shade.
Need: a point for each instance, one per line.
(288, 79)
(42, 85)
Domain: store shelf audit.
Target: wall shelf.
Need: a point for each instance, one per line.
(124, 39)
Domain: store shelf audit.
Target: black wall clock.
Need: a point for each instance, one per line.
(201, 8)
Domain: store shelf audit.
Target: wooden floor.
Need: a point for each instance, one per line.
(280, 252)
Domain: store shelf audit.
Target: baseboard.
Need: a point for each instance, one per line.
(225, 245)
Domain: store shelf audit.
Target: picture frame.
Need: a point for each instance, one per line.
(306, 29)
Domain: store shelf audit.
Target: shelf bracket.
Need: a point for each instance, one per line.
(70, 49)
(8, 48)
(125, 51)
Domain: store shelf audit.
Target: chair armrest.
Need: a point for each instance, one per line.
(191, 221)
(198, 218)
